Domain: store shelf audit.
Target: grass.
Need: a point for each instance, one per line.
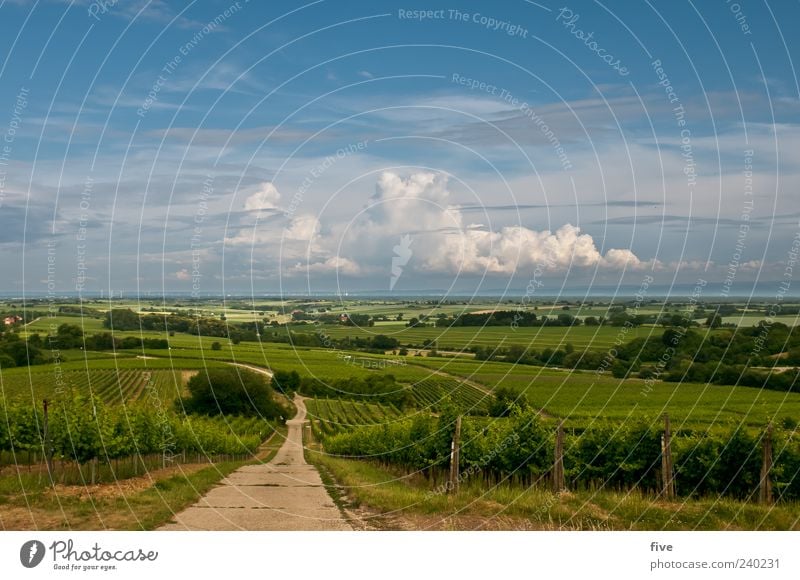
(409, 501)
(144, 503)
(457, 338)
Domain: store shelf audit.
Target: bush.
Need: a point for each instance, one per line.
(231, 391)
(216, 345)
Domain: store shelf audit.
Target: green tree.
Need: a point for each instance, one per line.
(121, 319)
(231, 391)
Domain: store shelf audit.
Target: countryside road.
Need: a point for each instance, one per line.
(285, 494)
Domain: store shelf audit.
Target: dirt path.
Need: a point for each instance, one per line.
(285, 494)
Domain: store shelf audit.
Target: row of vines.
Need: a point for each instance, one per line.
(85, 429)
(111, 386)
(616, 456)
(330, 416)
(435, 391)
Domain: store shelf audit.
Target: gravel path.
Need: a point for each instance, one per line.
(285, 494)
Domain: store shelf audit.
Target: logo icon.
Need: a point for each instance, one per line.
(402, 254)
(31, 553)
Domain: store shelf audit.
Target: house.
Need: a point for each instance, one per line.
(9, 320)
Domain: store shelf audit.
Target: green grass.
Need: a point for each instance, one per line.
(457, 338)
(513, 507)
(49, 324)
(583, 396)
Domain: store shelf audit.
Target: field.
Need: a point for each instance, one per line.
(112, 386)
(434, 387)
(582, 397)
(459, 338)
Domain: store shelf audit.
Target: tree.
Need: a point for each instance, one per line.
(714, 320)
(69, 336)
(383, 342)
(286, 382)
(216, 345)
(121, 319)
(231, 391)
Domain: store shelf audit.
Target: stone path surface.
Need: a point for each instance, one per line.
(285, 494)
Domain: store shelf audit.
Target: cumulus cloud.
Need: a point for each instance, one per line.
(420, 205)
(183, 274)
(445, 242)
(265, 198)
(334, 264)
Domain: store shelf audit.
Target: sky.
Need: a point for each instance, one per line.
(465, 147)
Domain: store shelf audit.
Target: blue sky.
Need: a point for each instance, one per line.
(282, 146)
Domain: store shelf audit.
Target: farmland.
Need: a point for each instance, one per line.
(486, 374)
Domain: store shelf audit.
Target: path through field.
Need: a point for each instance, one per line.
(285, 494)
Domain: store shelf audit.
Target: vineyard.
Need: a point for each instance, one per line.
(331, 416)
(111, 386)
(81, 430)
(628, 456)
(436, 390)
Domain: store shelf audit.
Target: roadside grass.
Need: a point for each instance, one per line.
(27, 501)
(408, 502)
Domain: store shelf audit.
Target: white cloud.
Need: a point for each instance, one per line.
(266, 197)
(420, 206)
(302, 228)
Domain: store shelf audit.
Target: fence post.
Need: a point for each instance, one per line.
(455, 450)
(765, 483)
(558, 462)
(667, 476)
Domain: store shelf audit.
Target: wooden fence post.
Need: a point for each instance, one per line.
(667, 476)
(455, 451)
(765, 483)
(558, 463)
